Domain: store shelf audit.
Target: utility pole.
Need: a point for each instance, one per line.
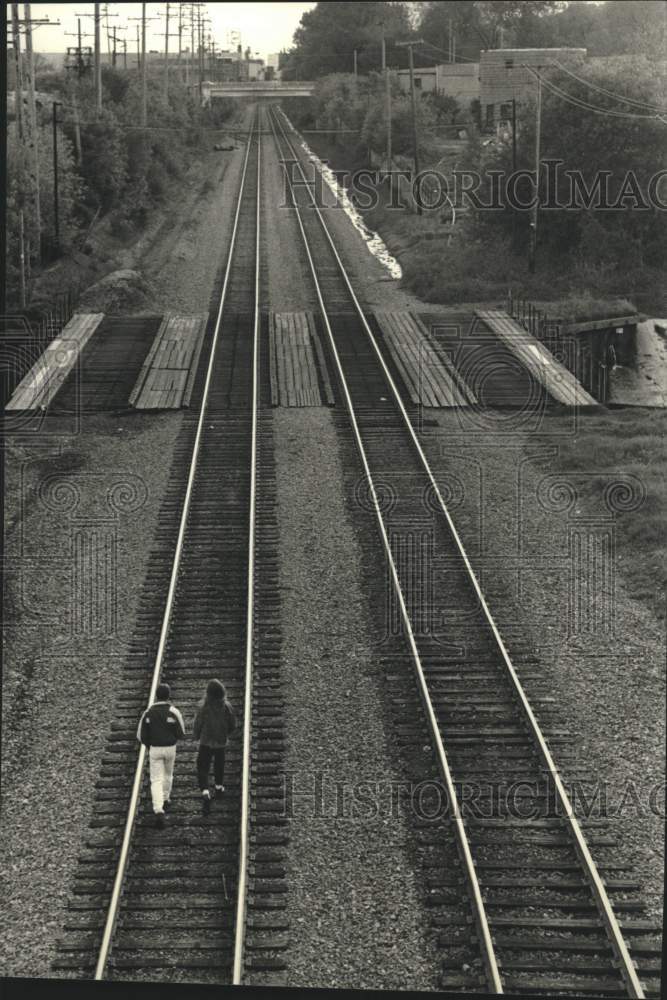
(180, 38)
(107, 15)
(18, 93)
(98, 60)
(355, 62)
(413, 101)
(117, 41)
(450, 40)
(387, 92)
(533, 224)
(56, 216)
(192, 38)
(166, 52)
(200, 50)
(33, 134)
(124, 44)
(144, 117)
(142, 62)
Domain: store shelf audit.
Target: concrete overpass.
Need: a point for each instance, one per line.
(256, 88)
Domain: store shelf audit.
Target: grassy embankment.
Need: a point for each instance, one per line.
(628, 443)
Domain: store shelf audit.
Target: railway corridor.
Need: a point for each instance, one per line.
(365, 692)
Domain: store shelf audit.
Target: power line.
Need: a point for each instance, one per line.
(610, 93)
(584, 105)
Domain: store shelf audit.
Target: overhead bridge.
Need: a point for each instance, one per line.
(256, 88)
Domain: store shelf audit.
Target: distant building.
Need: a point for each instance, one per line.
(273, 66)
(457, 80)
(511, 74)
(234, 64)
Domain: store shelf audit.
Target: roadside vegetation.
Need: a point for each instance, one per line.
(623, 444)
(599, 118)
(110, 170)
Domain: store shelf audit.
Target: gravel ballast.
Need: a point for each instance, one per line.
(353, 899)
(61, 673)
(59, 697)
(609, 681)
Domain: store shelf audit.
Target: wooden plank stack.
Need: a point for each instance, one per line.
(167, 376)
(295, 355)
(560, 383)
(429, 376)
(39, 387)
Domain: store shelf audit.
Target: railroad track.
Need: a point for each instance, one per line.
(201, 900)
(544, 918)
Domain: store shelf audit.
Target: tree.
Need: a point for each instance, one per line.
(599, 121)
(476, 25)
(328, 34)
(619, 27)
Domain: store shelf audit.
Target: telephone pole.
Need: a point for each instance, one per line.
(387, 91)
(56, 216)
(98, 60)
(115, 41)
(413, 102)
(33, 141)
(18, 93)
(144, 117)
(166, 53)
(142, 61)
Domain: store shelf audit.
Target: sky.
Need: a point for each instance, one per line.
(265, 27)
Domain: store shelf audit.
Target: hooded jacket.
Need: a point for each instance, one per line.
(161, 725)
(213, 723)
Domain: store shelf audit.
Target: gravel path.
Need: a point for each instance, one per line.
(353, 899)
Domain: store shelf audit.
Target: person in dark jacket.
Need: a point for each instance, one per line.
(160, 728)
(213, 723)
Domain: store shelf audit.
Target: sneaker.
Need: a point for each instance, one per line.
(159, 820)
(206, 801)
(219, 789)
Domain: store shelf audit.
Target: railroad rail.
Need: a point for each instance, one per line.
(178, 899)
(479, 717)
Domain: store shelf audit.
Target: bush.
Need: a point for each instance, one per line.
(157, 180)
(120, 226)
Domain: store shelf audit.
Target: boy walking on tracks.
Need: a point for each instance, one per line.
(160, 728)
(213, 723)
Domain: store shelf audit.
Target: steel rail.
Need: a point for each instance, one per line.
(493, 974)
(626, 964)
(112, 911)
(241, 896)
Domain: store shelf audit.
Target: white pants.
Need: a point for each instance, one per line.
(161, 761)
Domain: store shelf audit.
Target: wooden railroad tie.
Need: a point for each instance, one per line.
(39, 387)
(560, 383)
(297, 364)
(167, 376)
(429, 376)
